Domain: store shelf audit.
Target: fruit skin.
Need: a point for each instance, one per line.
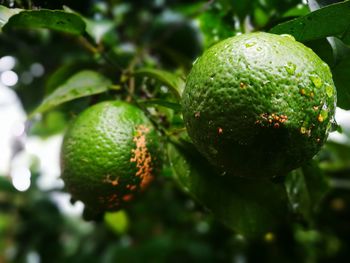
(259, 104)
(109, 155)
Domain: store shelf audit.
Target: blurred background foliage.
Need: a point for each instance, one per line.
(123, 38)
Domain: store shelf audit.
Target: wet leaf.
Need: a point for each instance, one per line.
(171, 80)
(6, 14)
(50, 19)
(250, 207)
(82, 84)
(317, 24)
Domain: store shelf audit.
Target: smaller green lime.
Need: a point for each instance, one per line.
(109, 155)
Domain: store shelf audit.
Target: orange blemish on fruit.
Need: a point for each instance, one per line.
(142, 157)
(273, 119)
(111, 201)
(242, 85)
(131, 187)
(127, 198)
(114, 182)
(320, 118)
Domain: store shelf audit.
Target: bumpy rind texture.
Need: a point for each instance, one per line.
(109, 154)
(259, 104)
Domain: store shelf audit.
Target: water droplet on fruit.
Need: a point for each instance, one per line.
(322, 116)
(329, 90)
(317, 81)
(290, 68)
(303, 130)
(250, 44)
(288, 36)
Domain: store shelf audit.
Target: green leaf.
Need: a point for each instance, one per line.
(214, 28)
(306, 187)
(50, 19)
(61, 74)
(82, 84)
(171, 80)
(95, 28)
(250, 207)
(336, 157)
(298, 194)
(317, 183)
(332, 20)
(52, 123)
(6, 185)
(341, 79)
(6, 13)
(164, 103)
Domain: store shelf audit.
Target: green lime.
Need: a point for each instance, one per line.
(259, 104)
(109, 154)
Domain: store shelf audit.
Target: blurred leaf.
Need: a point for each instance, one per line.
(164, 103)
(306, 187)
(6, 185)
(214, 28)
(171, 80)
(118, 222)
(317, 183)
(298, 194)
(317, 24)
(52, 123)
(340, 50)
(240, 8)
(261, 18)
(337, 157)
(82, 84)
(64, 72)
(341, 77)
(250, 207)
(98, 29)
(55, 20)
(6, 13)
(190, 9)
(95, 28)
(297, 11)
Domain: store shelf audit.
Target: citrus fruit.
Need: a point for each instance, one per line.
(109, 154)
(259, 104)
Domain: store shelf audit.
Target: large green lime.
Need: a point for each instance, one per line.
(109, 154)
(259, 104)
